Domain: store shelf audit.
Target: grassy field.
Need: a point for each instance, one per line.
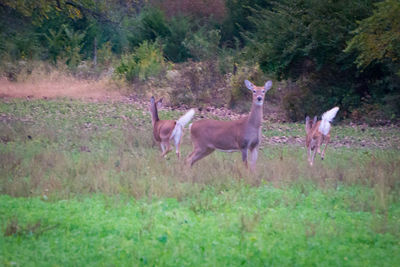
(82, 184)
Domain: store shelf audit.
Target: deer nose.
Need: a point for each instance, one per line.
(259, 98)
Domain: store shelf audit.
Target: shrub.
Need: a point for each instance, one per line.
(203, 45)
(173, 46)
(104, 54)
(147, 60)
(199, 83)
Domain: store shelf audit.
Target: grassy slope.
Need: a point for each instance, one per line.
(94, 191)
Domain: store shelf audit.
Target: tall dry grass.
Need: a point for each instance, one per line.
(134, 167)
(41, 80)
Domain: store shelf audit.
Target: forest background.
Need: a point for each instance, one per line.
(319, 53)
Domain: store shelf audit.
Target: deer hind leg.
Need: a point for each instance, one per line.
(319, 143)
(326, 139)
(198, 154)
(165, 146)
(177, 141)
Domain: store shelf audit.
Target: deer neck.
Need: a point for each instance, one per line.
(154, 114)
(255, 116)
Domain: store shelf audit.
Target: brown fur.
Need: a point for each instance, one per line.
(162, 129)
(315, 139)
(239, 135)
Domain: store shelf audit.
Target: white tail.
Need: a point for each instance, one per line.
(327, 118)
(228, 136)
(318, 132)
(166, 130)
(177, 133)
(186, 118)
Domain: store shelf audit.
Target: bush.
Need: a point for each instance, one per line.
(104, 54)
(199, 83)
(203, 45)
(147, 60)
(299, 102)
(173, 46)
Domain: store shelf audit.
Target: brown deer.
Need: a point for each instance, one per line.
(166, 130)
(229, 136)
(318, 133)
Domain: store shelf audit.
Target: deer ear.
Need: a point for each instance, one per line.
(159, 102)
(307, 123)
(249, 85)
(268, 85)
(315, 120)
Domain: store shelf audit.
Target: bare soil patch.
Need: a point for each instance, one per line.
(59, 86)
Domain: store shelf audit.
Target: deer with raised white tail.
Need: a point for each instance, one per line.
(228, 136)
(318, 133)
(166, 130)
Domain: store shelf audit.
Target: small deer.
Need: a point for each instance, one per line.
(318, 134)
(228, 136)
(166, 130)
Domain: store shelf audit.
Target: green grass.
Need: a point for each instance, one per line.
(82, 185)
(242, 226)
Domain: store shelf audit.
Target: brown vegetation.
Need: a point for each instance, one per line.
(56, 85)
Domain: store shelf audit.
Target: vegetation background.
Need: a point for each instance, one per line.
(324, 53)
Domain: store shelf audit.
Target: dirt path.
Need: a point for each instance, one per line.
(59, 86)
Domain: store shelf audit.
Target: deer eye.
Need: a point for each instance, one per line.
(254, 91)
(263, 91)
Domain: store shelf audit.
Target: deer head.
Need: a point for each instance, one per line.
(258, 91)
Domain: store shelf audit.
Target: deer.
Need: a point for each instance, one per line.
(166, 130)
(242, 135)
(318, 133)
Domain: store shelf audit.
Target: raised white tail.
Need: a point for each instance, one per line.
(326, 120)
(166, 130)
(318, 133)
(180, 124)
(186, 118)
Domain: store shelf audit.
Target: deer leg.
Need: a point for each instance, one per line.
(177, 141)
(166, 146)
(198, 155)
(319, 143)
(162, 147)
(244, 156)
(313, 156)
(253, 158)
(327, 139)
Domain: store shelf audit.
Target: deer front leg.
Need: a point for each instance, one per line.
(253, 158)
(244, 156)
(313, 156)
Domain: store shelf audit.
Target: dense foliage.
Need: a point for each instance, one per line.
(328, 53)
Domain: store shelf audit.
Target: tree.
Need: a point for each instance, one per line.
(377, 38)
